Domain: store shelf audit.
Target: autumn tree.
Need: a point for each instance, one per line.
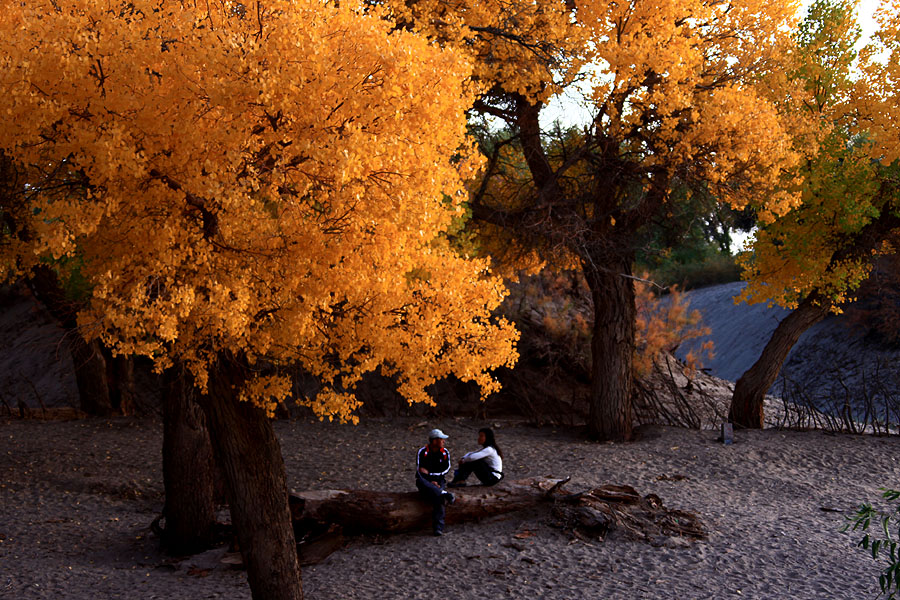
(813, 258)
(672, 87)
(260, 185)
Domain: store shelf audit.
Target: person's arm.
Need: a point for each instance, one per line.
(419, 466)
(483, 453)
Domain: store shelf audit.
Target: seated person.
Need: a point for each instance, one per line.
(487, 463)
(432, 463)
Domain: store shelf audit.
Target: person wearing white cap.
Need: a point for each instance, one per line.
(432, 464)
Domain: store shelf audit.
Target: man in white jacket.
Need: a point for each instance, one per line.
(486, 464)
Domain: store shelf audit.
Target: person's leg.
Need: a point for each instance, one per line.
(429, 492)
(462, 473)
(484, 473)
(435, 496)
(437, 516)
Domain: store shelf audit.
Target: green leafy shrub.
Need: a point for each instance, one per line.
(882, 544)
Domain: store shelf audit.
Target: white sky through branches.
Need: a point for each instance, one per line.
(569, 110)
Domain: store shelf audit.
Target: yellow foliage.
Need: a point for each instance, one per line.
(878, 88)
(661, 325)
(849, 121)
(532, 48)
(260, 185)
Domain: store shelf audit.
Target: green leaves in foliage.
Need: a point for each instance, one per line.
(879, 540)
(826, 41)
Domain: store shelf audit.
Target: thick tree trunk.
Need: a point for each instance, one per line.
(612, 347)
(366, 511)
(189, 470)
(250, 457)
(750, 390)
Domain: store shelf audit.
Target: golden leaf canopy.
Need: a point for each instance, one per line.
(673, 86)
(271, 179)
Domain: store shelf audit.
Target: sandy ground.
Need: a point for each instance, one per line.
(76, 499)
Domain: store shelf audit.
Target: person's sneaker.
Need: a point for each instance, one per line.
(438, 533)
(456, 484)
(449, 498)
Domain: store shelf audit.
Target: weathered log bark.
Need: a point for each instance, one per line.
(612, 347)
(750, 390)
(368, 511)
(600, 511)
(250, 457)
(189, 470)
(595, 512)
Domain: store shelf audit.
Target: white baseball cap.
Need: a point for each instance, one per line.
(437, 433)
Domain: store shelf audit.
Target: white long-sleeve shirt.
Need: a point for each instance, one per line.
(489, 454)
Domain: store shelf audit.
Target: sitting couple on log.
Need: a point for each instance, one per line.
(433, 463)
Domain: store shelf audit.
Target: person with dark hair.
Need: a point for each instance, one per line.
(432, 463)
(486, 464)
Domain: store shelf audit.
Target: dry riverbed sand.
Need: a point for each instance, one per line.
(77, 498)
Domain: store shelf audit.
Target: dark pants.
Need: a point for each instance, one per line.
(434, 496)
(481, 469)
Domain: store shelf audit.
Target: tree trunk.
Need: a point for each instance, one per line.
(250, 456)
(750, 390)
(189, 470)
(90, 364)
(123, 392)
(612, 347)
(90, 375)
(366, 511)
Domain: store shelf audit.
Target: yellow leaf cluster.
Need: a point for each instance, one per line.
(663, 324)
(878, 87)
(528, 47)
(678, 89)
(850, 119)
(268, 178)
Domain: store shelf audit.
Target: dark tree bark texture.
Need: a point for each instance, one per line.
(189, 470)
(90, 375)
(124, 392)
(594, 513)
(750, 390)
(250, 456)
(612, 347)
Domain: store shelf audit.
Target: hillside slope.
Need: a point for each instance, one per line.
(833, 361)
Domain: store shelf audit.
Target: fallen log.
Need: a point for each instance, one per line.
(321, 517)
(365, 511)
